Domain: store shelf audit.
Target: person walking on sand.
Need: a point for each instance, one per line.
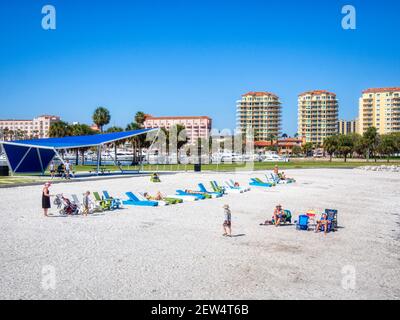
(227, 225)
(46, 199)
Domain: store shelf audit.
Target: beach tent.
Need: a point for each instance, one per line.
(34, 156)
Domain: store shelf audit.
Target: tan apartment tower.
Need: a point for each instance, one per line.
(260, 111)
(317, 115)
(380, 108)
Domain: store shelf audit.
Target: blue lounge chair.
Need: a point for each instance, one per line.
(213, 194)
(183, 193)
(302, 224)
(135, 201)
(332, 216)
(231, 186)
(115, 202)
(258, 183)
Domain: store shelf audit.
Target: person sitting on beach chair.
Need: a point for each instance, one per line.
(279, 215)
(155, 178)
(325, 222)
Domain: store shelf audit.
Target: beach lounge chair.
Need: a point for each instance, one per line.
(197, 195)
(184, 198)
(115, 202)
(169, 200)
(302, 223)
(229, 189)
(154, 178)
(216, 187)
(76, 201)
(135, 201)
(141, 197)
(332, 216)
(258, 183)
(213, 194)
(232, 184)
(104, 204)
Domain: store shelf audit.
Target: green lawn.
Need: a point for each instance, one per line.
(294, 164)
(4, 181)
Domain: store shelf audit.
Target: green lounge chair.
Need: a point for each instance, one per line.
(104, 204)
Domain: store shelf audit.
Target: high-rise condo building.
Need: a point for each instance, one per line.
(317, 115)
(347, 127)
(260, 111)
(380, 108)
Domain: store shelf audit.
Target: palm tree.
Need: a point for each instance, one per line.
(177, 129)
(81, 130)
(140, 117)
(371, 138)
(134, 140)
(345, 145)
(387, 145)
(307, 148)
(117, 143)
(60, 129)
(101, 117)
(331, 145)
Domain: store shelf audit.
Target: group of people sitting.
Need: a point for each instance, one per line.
(282, 216)
(63, 170)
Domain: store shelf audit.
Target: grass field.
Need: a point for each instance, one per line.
(295, 164)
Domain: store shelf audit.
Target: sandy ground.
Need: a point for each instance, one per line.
(178, 252)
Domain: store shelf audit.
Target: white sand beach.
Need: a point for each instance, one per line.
(178, 252)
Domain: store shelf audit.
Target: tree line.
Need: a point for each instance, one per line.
(369, 145)
(102, 117)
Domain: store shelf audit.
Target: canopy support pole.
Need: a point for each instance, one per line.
(8, 162)
(99, 147)
(40, 160)
(115, 161)
(59, 156)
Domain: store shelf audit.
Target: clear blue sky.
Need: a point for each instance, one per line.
(190, 57)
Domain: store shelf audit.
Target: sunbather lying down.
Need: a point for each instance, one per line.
(157, 197)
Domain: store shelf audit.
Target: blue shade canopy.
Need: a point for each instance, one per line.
(29, 156)
(79, 141)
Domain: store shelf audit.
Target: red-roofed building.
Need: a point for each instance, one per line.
(284, 145)
(379, 108)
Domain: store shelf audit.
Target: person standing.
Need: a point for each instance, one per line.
(46, 199)
(227, 225)
(68, 168)
(86, 203)
(52, 170)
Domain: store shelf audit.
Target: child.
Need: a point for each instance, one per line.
(227, 225)
(86, 203)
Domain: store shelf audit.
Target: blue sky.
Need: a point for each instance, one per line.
(190, 57)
